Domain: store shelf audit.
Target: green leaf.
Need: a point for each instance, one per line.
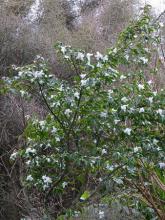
(85, 196)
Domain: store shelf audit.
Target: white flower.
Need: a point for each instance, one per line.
(105, 58)
(150, 82)
(103, 114)
(140, 86)
(104, 151)
(13, 156)
(30, 150)
(109, 167)
(67, 112)
(83, 76)
(118, 180)
(99, 56)
(101, 214)
(80, 56)
(150, 99)
(124, 107)
(57, 139)
(137, 149)
(63, 49)
(126, 56)
(162, 165)
(116, 121)
(159, 111)
(48, 160)
(46, 179)
(99, 65)
(122, 77)
(64, 184)
(29, 178)
(141, 110)
(20, 73)
(127, 131)
(42, 123)
(115, 50)
(110, 92)
(161, 24)
(155, 141)
(84, 82)
(54, 130)
(144, 60)
(124, 99)
(155, 93)
(67, 57)
(38, 74)
(28, 162)
(88, 55)
(22, 92)
(76, 95)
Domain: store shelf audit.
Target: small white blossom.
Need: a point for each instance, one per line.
(76, 95)
(83, 76)
(48, 160)
(150, 99)
(122, 77)
(54, 130)
(84, 82)
(30, 150)
(104, 151)
(144, 60)
(103, 114)
(38, 74)
(22, 92)
(63, 49)
(126, 56)
(88, 55)
(105, 58)
(155, 141)
(141, 110)
(46, 179)
(140, 86)
(150, 82)
(99, 65)
(127, 131)
(161, 24)
(29, 178)
(99, 56)
(13, 156)
(42, 123)
(124, 99)
(110, 92)
(116, 121)
(159, 111)
(162, 165)
(80, 56)
(28, 162)
(101, 214)
(137, 149)
(109, 167)
(68, 112)
(118, 180)
(155, 93)
(115, 50)
(64, 184)
(57, 139)
(124, 107)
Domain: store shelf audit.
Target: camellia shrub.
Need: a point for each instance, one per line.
(103, 128)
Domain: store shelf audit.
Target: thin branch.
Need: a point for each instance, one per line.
(49, 108)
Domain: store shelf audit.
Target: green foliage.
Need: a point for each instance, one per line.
(107, 125)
